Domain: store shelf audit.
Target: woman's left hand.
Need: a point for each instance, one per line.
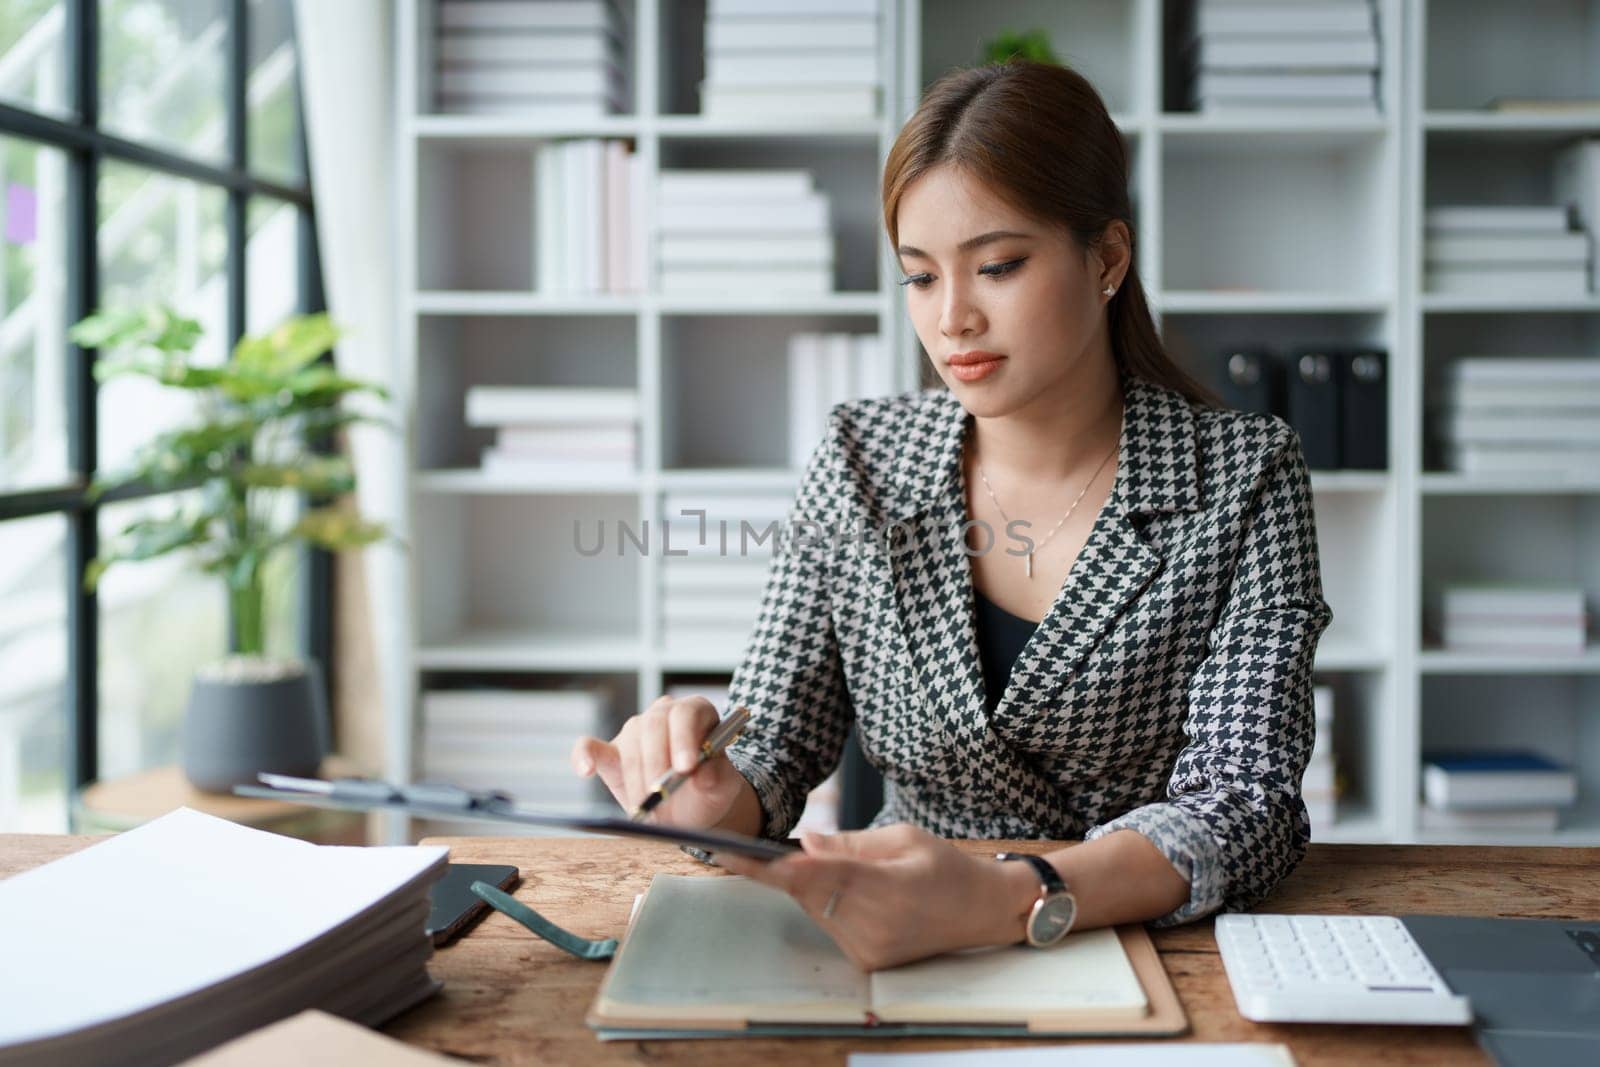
(898, 893)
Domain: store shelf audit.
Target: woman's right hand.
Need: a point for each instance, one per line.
(665, 736)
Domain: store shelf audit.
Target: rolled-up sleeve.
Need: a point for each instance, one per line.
(791, 676)
(1233, 823)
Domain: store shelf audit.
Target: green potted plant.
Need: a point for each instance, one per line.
(1007, 44)
(261, 414)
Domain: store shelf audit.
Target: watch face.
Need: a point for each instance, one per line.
(1052, 918)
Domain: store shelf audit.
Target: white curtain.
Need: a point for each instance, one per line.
(346, 50)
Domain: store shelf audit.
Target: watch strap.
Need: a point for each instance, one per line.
(1047, 872)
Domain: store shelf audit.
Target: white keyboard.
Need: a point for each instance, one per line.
(1333, 969)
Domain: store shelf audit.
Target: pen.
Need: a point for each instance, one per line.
(721, 736)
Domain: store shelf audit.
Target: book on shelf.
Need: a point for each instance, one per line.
(1545, 428)
(790, 9)
(681, 250)
(529, 14)
(1526, 370)
(1532, 820)
(1525, 219)
(1575, 464)
(586, 201)
(1474, 779)
(789, 102)
(1518, 283)
(1269, 20)
(515, 405)
(829, 369)
(548, 61)
(1358, 51)
(790, 215)
(1543, 105)
(545, 81)
(1319, 106)
(716, 187)
(1496, 600)
(772, 281)
(604, 438)
(1267, 86)
(528, 48)
(1563, 249)
(835, 67)
(567, 471)
(1538, 398)
(765, 33)
(1575, 177)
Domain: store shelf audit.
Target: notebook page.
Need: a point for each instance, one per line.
(1127, 1054)
(1087, 974)
(723, 948)
(171, 907)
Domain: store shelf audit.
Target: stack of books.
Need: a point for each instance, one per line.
(1513, 251)
(566, 433)
(587, 198)
(827, 369)
(1521, 415)
(768, 59)
(1320, 57)
(156, 944)
(1319, 786)
(1527, 619)
(761, 231)
(516, 740)
(1493, 789)
(711, 593)
(1576, 178)
(544, 59)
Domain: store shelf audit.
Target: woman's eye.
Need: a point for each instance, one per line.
(997, 269)
(920, 281)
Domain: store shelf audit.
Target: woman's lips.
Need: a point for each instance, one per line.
(972, 372)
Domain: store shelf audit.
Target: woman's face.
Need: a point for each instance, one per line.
(986, 283)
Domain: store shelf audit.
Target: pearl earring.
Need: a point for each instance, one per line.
(1109, 290)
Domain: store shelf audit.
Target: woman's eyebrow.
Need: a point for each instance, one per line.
(965, 246)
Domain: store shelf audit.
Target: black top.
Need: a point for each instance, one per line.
(1001, 636)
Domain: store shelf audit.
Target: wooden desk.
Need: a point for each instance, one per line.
(510, 998)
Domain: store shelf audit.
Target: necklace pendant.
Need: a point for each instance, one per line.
(1028, 563)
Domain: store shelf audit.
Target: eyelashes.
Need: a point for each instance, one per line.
(994, 270)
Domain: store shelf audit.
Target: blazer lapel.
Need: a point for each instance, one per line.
(1155, 473)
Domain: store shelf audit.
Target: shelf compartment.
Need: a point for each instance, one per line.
(1361, 717)
(455, 353)
(1468, 64)
(706, 359)
(1333, 194)
(512, 566)
(1097, 38)
(1557, 716)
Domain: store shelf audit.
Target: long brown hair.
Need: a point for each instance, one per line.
(1040, 138)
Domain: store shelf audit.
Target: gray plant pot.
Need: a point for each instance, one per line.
(246, 716)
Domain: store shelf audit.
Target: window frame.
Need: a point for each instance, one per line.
(87, 146)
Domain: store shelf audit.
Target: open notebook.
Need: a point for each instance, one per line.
(718, 954)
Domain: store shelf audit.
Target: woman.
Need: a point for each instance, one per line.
(1065, 599)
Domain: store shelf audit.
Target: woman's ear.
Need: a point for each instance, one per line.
(1113, 254)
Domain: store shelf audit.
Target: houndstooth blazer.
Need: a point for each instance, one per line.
(1167, 690)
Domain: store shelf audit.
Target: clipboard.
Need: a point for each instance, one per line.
(453, 802)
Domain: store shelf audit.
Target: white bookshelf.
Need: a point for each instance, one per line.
(1274, 229)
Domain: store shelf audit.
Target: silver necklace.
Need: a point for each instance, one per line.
(1028, 559)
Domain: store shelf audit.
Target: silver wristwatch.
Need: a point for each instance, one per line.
(1054, 912)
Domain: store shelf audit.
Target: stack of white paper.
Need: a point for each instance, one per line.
(1319, 787)
(827, 369)
(1320, 57)
(1527, 618)
(565, 433)
(546, 59)
(715, 568)
(1516, 251)
(516, 740)
(587, 200)
(791, 58)
(190, 930)
(746, 231)
(1576, 178)
(1521, 415)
